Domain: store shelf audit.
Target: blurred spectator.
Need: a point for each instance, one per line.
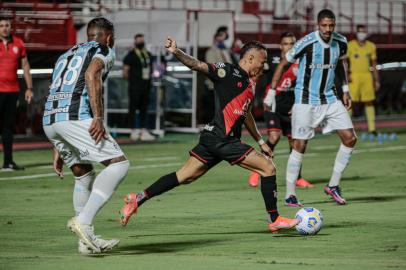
(235, 50)
(12, 50)
(218, 52)
(138, 71)
(364, 77)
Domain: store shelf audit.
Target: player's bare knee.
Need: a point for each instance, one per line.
(267, 170)
(350, 141)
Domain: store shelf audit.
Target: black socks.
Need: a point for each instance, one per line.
(269, 193)
(163, 184)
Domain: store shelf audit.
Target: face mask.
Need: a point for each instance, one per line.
(140, 45)
(361, 36)
(221, 45)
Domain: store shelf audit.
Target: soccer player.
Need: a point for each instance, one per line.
(73, 122)
(220, 139)
(278, 120)
(319, 53)
(364, 77)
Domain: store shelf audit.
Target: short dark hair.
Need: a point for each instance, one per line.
(360, 26)
(222, 28)
(251, 45)
(287, 34)
(325, 13)
(138, 35)
(4, 18)
(101, 23)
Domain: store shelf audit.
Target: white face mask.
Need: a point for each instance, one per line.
(361, 36)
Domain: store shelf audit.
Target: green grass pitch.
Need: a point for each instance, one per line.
(217, 222)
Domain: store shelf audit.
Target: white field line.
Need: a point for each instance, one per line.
(141, 167)
(43, 175)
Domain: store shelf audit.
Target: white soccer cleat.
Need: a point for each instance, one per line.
(146, 136)
(135, 134)
(103, 244)
(84, 232)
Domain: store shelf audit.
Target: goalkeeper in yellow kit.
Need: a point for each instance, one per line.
(364, 78)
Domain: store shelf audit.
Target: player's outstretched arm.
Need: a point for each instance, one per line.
(270, 100)
(252, 129)
(94, 83)
(187, 60)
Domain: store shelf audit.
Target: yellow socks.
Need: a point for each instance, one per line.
(370, 114)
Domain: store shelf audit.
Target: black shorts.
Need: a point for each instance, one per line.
(211, 149)
(278, 122)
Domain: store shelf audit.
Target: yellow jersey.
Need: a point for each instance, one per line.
(360, 57)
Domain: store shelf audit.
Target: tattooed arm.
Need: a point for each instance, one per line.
(94, 86)
(187, 60)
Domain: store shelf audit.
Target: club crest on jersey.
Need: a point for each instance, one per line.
(15, 50)
(221, 73)
(239, 84)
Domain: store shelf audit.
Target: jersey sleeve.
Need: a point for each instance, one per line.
(107, 55)
(218, 71)
(298, 49)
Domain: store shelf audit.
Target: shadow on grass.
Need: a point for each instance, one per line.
(164, 247)
(365, 199)
(351, 178)
(38, 164)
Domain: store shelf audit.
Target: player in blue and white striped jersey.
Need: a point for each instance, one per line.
(316, 101)
(73, 122)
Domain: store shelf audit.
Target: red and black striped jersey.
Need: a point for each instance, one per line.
(234, 93)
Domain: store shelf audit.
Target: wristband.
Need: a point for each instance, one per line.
(98, 118)
(345, 88)
(261, 142)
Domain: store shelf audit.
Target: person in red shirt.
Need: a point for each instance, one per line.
(12, 50)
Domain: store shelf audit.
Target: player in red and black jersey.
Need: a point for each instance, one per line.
(279, 121)
(220, 139)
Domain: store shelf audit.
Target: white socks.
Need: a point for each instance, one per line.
(342, 159)
(103, 188)
(81, 191)
(292, 172)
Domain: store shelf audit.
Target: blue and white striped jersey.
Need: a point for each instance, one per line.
(317, 63)
(68, 98)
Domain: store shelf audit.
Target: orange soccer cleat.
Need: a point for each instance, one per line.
(282, 223)
(301, 182)
(253, 180)
(129, 208)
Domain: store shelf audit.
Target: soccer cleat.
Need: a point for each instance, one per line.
(146, 136)
(293, 201)
(335, 193)
(12, 166)
(282, 223)
(130, 208)
(301, 182)
(84, 232)
(253, 180)
(103, 244)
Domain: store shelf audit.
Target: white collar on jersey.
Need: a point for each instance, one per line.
(322, 42)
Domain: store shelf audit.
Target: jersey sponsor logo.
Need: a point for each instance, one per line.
(83, 153)
(221, 73)
(59, 96)
(244, 110)
(322, 66)
(208, 127)
(220, 65)
(15, 50)
(236, 73)
(57, 110)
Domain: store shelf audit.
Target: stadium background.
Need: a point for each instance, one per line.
(50, 27)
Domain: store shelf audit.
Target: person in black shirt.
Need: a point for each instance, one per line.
(220, 139)
(137, 70)
(279, 122)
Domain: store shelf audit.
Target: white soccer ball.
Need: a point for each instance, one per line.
(310, 219)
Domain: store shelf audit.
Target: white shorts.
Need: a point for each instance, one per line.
(75, 145)
(329, 117)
